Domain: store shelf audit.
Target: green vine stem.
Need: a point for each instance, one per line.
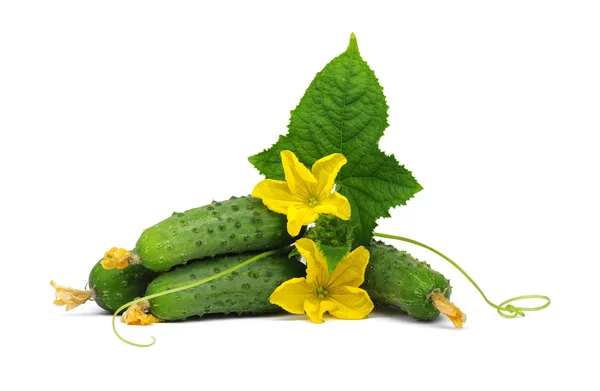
(505, 309)
(191, 285)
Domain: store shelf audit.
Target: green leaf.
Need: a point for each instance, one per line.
(344, 111)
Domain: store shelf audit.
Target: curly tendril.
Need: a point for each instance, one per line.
(505, 309)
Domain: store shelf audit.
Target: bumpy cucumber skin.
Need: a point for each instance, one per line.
(394, 278)
(244, 291)
(113, 288)
(234, 226)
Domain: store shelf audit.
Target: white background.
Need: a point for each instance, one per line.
(114, 114)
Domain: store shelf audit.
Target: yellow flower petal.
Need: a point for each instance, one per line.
(351, 303)
(293, 225)
(297, 175)
(316, 265)
(350, 271)
(335, 204)
(447, 308)
(69, 296)
(275, 195)
(292, 294)
(315, 308)
(108, 263)
(325, 170)
(138, 314)
(122, 264)
(342, 204)
(116, 258)
(299, 215)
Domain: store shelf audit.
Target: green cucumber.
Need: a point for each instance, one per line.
(234, 226)
(110, 289)
(245, 291)
(395, 279)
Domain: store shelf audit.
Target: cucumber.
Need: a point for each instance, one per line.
(245, 291)
(234, 226)
(395, 279)
(110, 289)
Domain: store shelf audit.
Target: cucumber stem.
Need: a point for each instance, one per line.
(181, 288)
(504, 309)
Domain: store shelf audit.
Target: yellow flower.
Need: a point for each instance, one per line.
(447, 308)
(138, 314)
(305, 194)
(69, 296)
(338, 293)
(117, 258)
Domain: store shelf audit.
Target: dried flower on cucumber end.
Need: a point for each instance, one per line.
(447, 308)
(139, 314)
(70, 297)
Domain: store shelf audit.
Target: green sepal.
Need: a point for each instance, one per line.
(294, 253)
(333, 255)
(333, 236)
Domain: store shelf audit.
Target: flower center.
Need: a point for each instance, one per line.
(313, 201)
(322, 292)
